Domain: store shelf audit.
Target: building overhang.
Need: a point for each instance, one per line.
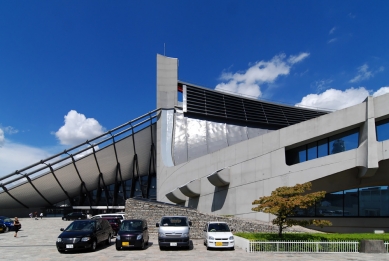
(176, 196)
(220, 178)
(192, 189)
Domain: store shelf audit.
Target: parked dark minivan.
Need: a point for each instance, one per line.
(84, 234)
(133, 233)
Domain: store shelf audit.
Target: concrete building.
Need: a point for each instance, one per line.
(218, 152)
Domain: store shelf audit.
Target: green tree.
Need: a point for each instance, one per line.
(283, 203)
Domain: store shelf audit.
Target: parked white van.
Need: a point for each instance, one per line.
(112, 215)
(174, 231)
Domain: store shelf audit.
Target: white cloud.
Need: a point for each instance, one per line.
(332, 40)
(14, 156)
(78, 129)
(322, 84)
(336, 99)
(10, 130)
(297, 58)
(2, 139)
(381, 91)
(363, 74)
(248, 83)
(6, 130)
(332, 30)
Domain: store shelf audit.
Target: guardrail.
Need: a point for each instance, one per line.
(304, 246)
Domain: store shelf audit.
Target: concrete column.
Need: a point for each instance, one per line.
(167, 78)
(367, 157)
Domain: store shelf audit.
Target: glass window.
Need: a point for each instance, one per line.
(153, 188)
(128, 185)
(331, 205)
(373, 201)
(138, 189)
(344, 141)
(312, 151)
(296, 155)
(322, 147)
(351, 202)
(382, 129)
(305, 212)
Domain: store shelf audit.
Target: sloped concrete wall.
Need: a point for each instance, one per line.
(153, 211)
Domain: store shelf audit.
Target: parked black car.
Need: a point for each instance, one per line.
(74, 216)
(84, 234)
(133, 233)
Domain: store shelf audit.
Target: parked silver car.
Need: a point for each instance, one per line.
(174, 231)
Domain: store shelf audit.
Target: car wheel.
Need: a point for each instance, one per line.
(208, 248)
(118, 248)
(61, 251)
(142, 245)
(232, 248)
(147, 242)
(108, 241)
(161, 248)
(94, 246)
(6, 229)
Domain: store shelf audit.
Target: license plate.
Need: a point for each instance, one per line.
(173, 244)
(219, 244)
(69, 246)
(125, 243)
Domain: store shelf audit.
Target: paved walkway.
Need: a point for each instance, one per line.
(36, 241)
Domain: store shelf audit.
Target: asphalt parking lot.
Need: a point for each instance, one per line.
(36, 241)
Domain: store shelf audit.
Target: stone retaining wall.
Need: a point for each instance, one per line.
(153, 211)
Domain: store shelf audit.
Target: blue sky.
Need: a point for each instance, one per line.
(70, 70)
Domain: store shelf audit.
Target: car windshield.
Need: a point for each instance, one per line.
(85, 226)
(131, 226)
(218, 227)
(174, 222)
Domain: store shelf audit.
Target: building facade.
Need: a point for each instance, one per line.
(344, 153)
(218, 152)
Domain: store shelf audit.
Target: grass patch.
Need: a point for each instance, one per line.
(312, 236)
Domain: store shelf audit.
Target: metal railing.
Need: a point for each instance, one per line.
(386, 244)
(304, 246)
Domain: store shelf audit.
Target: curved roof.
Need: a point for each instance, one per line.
(216, 104)
(125, 153)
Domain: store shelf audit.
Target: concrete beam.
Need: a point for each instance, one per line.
(176, 196)
(192, 189)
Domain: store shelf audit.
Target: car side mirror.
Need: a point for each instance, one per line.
(157, 225)
(62, 229)
(145, 228)
(232, 230)
(190, 223)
